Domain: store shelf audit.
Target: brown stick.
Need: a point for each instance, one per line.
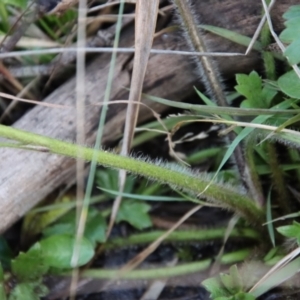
(27, 177)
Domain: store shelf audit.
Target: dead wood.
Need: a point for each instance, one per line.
(26, 177)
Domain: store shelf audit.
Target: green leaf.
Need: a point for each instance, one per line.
(268, 95)
(273, 251)
(292, 52)
(29, 266)
(292, 12)
(135, 213)
(269, 220)
(289, 83)
(60, 228)
(108, 179)
(232, 281)
(23, 291)
(243, 296)
(291, 231)
(238, 296)
(35, 222)
(57, 251)
(273, 256)
(95, 226)
(215, 287)
(232, 36)
(29, 291)
(250, 86)
(292, 34)
(95, 229)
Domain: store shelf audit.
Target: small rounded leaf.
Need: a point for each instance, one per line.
(289, 83)
(57, 251)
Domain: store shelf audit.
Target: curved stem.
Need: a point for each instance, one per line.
(175, 176)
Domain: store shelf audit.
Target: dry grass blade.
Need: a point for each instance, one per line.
(13, 81)
(80, 100)
(112, 50)
(258, 30)
(9, 42)
(145, 22)
(11, 97)
(13, 104)
(283, 262)
(216, 267)
(109, 3)
(27, 42)
(63, 6)
(146, 15)
(80, 139)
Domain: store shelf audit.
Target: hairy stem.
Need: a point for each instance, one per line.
(177, 177)
(268, 58)
(277, 175)
(207, 69)
(278, 179)
(295, 158)
(205, 65)
(256, 189)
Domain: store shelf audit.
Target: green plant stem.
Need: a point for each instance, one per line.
(268, 58)
(181, 236)
(205, 65)
(256, 189)
(179, 178)
(166, 272)
(295, 158)
(208, 70)
(277, 176)
(230, 111)
(276, 171)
